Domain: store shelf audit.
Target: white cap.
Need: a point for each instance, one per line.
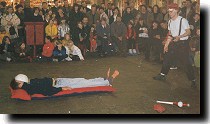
(22, 77)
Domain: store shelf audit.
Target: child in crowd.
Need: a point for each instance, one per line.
(22, 53)
(93, 37)
(59, 52)
(63, 28)
(73, 52)
(3, 33)
(47, 50)
(143, 38)
(6, 50)
(51, 30)
(67, 38)
(131, 37)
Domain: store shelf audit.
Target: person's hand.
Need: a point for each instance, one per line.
(81, 39)
(59, 47)
(193, 49)
(120, 38)
(177, 38)
(66, 88)
(165, 48)
(157, 36)
(82, 59)
(145, 31)
(21, 54)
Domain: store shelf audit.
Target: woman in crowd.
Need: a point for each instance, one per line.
(51, 30)
(23, 52)
(6, 50)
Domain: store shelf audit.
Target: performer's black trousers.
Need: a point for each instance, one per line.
(181, 50)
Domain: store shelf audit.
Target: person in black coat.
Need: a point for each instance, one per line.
(36, 17)
(44, 8)
(127, 16)
(156, 42)
(86, 27)
(6, 50)
(20, 13)
(75, 17)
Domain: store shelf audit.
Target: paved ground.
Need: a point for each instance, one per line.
(136, 90)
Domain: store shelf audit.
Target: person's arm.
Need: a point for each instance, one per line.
(79, 53)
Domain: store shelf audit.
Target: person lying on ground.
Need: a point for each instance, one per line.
(50, 86)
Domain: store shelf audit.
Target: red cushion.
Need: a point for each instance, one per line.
(23, 95)
(20, 94)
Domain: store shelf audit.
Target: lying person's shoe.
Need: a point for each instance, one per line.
(160, 77)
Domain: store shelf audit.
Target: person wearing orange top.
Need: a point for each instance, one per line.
(131, 37)
(3, 33)
(47, 49)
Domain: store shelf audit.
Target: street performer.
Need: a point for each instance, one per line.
(179, 32)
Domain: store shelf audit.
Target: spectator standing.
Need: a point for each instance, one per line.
(118, 33)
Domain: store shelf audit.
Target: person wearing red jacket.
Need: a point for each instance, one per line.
(131, 37)
(48, 49)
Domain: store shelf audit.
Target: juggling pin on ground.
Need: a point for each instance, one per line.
(179, 104)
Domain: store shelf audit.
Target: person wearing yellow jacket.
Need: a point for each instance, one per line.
(51, 30)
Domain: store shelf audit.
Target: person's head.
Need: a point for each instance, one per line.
(84, 4)
(196, 17)
(143, 9)
(116, 11)
(63, 21)
(93, 8)
(22, 45)
(44, 5)
(85, 20)
(58, 43)
(41, 13)
(76, 7)
(184, 4)
(48, 39)
(36, 10)
(109, 6)
(50, 12)
(101, 10)
(173, 10)
(18, 81)
(141, 21)
(56, 2)
(156, 9)
(51, 22)
(128, 10)
(47, 17)
(67, 37)
(164, 10)
(2, 30)
(19, 8)
(10, 9)
(103, 21)
(103, 5)
(163, 24)
(79, 24)
(132, 5)
(92, 28)
(3, 4)
(112, 6)
(55, 21)
(66, 3)
(149, 9)
(130, 25)
(155, 24)
(119, 18)
(60, 10)
(70, 44)
(188, 3)
(6, 40)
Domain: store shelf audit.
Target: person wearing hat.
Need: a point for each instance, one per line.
(50, 86)
(44, 86)
(179, 32)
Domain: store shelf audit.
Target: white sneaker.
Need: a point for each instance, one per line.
(130, 52)
(55, 60)
(68, 59)
(134, 51)
(8, 59)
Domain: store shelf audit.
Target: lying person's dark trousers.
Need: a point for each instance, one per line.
(181, 50)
